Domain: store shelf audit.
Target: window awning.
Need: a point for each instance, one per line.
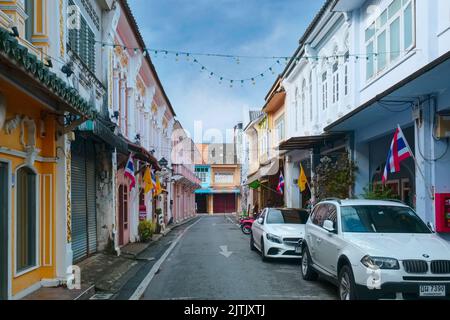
(309, 142)
(265, 171)
(105, 134)
(142, 154)
(218, 191)
(275, 102)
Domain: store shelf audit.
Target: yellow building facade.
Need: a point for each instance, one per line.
(34, 102)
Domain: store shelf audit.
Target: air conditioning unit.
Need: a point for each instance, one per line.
(443, 126)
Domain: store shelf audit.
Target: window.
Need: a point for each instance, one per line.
(310, 97)
(336, 83)
(319, 215)
(303, 102)
(381, 219)
(389, 36)
(279, 126)
(296, 108)
(26, 224)
(29, 22)
(346, 75)
(202, 174)
(224, 177)
(324, 91)
(82, 41)
(287, 216)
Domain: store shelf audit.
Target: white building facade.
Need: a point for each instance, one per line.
(364, 68)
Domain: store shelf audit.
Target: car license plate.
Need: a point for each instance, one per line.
(432, 291)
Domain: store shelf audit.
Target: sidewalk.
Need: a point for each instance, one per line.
(103, 274)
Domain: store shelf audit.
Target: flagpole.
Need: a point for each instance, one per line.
(417, 165)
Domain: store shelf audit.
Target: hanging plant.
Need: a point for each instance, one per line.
(334, 178)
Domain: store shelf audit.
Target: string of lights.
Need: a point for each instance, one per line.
(272, 68)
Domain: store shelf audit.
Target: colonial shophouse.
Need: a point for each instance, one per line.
(38, 110)
(361, 69)
(78, 96)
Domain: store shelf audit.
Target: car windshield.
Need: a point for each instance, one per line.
(288, 216)
(381, 219)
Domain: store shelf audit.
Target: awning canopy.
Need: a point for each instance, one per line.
(217, 191)
(105, 134)
(143, 155)
(432, 78)
(265, 171)
(275, 102)
(309, 142)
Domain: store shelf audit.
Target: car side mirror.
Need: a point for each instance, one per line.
(260, 220)
(431, 226)
(329, 226)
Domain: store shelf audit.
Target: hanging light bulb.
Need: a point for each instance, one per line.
(238, 61)
(177, 57)
(187, 57)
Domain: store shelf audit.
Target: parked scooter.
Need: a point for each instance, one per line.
(246, 225)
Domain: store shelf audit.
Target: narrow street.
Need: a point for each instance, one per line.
(198, 268)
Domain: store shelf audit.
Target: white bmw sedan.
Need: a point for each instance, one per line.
(278, 232)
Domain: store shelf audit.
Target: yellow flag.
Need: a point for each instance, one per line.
(148, 183)
(158, 188)
(302, 180)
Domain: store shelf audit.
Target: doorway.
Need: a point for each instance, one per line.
(4, 209)
(124, 232)
(201, 201)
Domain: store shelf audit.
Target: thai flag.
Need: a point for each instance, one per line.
(280, 187)
(129, 172)
(399, 152)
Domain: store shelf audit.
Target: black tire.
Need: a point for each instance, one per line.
(308, 273)
(263, 255)
(252, 244)
(346, 284)
(246, 229)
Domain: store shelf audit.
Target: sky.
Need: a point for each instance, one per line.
(204, 106)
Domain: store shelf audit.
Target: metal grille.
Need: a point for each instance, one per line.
(293, 242)
(440, 266)
(415, 266)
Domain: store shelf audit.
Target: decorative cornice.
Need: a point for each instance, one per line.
(28, 62)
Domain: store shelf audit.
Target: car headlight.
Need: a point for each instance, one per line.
(380, 263)
(273, 238)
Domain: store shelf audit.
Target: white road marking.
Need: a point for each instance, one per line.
(236, 224)
(224, 251)
(149, 277)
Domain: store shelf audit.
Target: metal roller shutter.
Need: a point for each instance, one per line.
(224, 203)
(79, 221)
(84, 214)
(91, 198)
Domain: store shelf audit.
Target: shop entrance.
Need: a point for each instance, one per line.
(4, 231)
(202, 207)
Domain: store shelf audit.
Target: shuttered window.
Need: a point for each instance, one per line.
(81, 41)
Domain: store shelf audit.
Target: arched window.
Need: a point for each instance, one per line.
(310, 97)
(26, 220)
(346, 73)
(336, 82)
(303, 101)
(296, 109)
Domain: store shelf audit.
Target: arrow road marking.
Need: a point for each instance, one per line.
(225, 252)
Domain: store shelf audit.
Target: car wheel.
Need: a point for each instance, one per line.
(347, 288)
(252, 244)
(263, 251)
(308, 273)
(246, 229)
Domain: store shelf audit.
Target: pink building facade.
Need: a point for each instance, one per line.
(185, 182)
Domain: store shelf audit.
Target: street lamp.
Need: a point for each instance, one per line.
(163, 163)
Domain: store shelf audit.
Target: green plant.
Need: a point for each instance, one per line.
(146, 230)
(334, 178)
(378, 192)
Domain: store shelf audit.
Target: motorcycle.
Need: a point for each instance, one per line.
(246, 225)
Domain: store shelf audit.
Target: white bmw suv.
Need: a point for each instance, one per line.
(375, 250)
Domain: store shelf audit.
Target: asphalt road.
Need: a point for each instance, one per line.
(198, 268)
